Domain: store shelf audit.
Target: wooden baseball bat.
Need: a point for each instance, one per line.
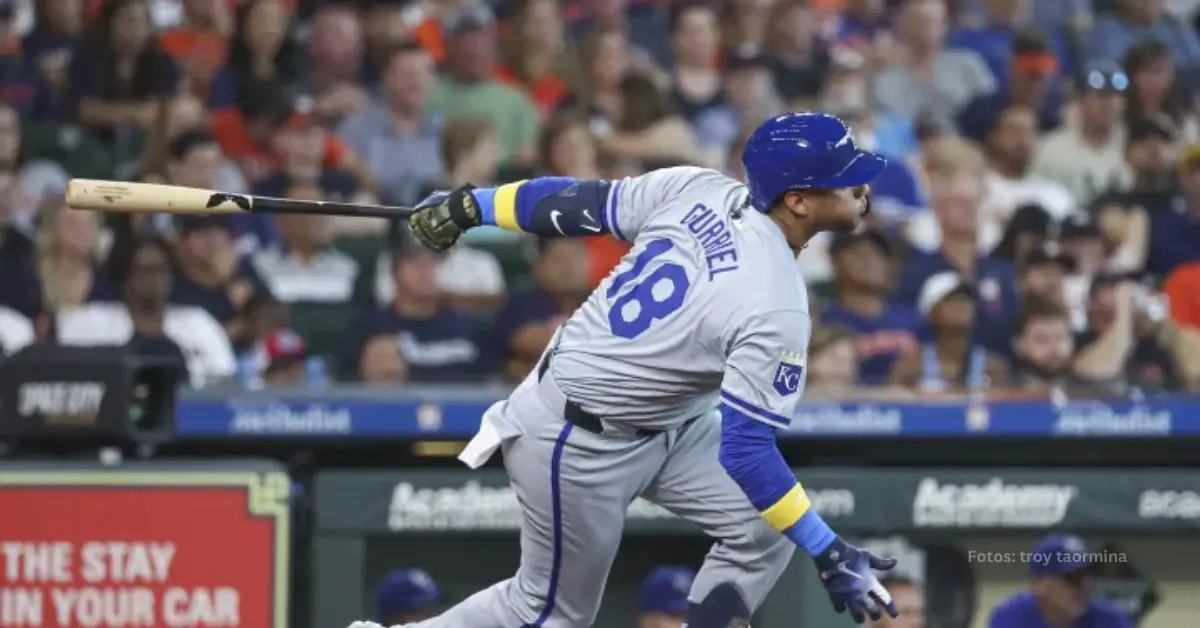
(125, 197)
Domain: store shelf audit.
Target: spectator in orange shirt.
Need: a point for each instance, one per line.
(1182, 289)
(249, 133)
(532, 50)
(199, 45)
(261, 48)
(566, 149)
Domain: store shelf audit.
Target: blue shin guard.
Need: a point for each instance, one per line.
(723, 607)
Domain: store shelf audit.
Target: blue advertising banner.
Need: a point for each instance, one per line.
(454, 413)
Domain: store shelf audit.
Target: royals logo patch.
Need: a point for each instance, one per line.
(790, 373)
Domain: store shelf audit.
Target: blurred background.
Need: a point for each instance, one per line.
(1009, 349)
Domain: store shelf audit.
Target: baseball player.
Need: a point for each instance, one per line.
(672, 380)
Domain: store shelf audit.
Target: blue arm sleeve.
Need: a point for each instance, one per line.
(750, 457)
(551, 206)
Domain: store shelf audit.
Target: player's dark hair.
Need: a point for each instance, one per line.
(1037, 309)
(183, 144)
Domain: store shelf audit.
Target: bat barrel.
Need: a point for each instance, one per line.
(126, 197)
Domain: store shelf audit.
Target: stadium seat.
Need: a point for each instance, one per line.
(322, 325)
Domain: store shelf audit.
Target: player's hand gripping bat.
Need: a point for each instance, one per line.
(119, 196)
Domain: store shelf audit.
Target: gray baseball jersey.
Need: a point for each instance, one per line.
(708, 303)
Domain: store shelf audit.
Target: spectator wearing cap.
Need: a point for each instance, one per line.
(697, 91)
(437, 343)
(531, 317)
(1061, 591)
(951, 360)
(883, 331)
(948, 238)
(799, 59)
(930, 78)
(1136, 21)
(286, 363)
(536, 55)
(261, 48)
(665, 597)
(1126, 339)
(405, 596)
(992, 33)
(248, 132)
(909, 597)
(144, 318)
(467, 87)
(335, 62)
(1087, 157)
(1157, 90)
(209, 274)
(67, 257)
(1027, 231)
(1010, 180)
(1149, 154)
(1032, 83)
(396, 136)
(105, 99)
(1043, 276)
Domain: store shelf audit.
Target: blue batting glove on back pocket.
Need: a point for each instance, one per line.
(847, 573)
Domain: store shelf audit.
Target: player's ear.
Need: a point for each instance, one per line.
(795, 202)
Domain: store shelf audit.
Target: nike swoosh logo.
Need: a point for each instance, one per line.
(554, 220)
(842, 568)
(592, 225)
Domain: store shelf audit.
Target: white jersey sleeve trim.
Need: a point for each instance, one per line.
(754, 412)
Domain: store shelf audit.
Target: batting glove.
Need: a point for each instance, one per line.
(847, 573)
(443, 217)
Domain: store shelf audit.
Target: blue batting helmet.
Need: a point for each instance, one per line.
(806, 150)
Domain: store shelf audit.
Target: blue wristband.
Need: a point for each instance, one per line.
(485, 198)
(811, 533)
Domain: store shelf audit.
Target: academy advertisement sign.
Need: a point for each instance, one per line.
(156, 548)
(858, 501)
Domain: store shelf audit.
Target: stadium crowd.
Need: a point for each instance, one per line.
(1038, 224)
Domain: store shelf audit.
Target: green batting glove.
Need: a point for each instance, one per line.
(441, 219)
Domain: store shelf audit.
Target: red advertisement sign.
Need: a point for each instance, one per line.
(103, 549)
